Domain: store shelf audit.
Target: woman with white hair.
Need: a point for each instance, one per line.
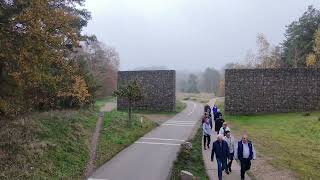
(224, 129)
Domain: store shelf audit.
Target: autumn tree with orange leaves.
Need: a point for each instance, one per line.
(37, 69)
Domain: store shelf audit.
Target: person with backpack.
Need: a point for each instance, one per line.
(245, 152)
(224, 129)
(206, 134)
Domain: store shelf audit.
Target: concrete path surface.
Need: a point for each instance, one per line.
(212, 170)
(152, 156)
(211, 167)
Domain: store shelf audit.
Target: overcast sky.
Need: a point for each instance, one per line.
(189, 34)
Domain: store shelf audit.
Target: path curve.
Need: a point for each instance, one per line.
(152, 156)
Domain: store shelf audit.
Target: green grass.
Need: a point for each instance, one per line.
(117, 135)
(51, 145)
(202, 98)
(292, 140)
(102, 101)
(191, 160)
(180, 106)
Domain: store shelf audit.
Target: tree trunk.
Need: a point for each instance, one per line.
(130, 114)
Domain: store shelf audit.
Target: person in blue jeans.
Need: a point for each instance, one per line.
(221, 150)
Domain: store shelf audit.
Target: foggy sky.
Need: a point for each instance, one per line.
(189, 34)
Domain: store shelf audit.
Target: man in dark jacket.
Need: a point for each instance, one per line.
(245, 152)
(221, 150)
(218, 123)
(207, 109)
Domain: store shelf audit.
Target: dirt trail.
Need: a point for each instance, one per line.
(95, 138)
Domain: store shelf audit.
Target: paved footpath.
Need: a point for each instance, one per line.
(152, 156)
(211, 167)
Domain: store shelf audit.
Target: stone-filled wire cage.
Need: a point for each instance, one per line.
(158, 89)
(250, 91)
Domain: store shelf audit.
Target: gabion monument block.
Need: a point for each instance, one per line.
(250, 91)
(158, 89)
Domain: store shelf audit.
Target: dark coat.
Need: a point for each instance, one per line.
(206, 108)
(217, 115)
(221, 150)
(218, 124)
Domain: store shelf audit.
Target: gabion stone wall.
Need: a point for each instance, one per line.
(250, 91)
(158, 88)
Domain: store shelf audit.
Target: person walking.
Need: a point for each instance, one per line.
(210, 117)
(224, 129)
(218, 123)
(221, 150)
(204, 117)
(206, 134)
(207, 108)
(230, 141)
(215, 111)
(245, 152)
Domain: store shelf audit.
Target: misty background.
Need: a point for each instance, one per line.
(189, 34)
(201, 38)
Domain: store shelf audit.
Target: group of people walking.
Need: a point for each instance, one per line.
(225, 148)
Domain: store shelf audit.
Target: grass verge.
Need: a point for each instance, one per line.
(117, 135)
(191, 160)
(180, 106)
(51, 145)
(291, 140)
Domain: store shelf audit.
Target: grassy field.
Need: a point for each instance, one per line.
(116, 135)
(55, 145)
(191, 160)
(198, 97)
(51, 145)
(102, 101)
(292, 140)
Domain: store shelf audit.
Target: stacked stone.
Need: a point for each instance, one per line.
(158, 89)
(250, 91)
